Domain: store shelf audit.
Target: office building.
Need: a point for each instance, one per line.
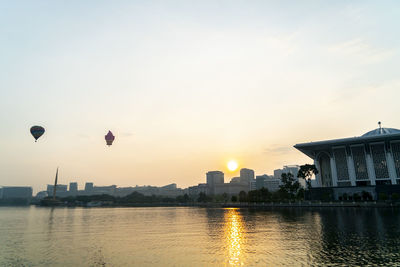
(16, 192)
(268, 182)
(292, 169)
(61, 190)
(214, 178)
(246, 175)
(73, 187)
(88, 187)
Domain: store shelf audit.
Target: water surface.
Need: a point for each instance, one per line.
(33, 236)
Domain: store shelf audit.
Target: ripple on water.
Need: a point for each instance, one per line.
(198, 237)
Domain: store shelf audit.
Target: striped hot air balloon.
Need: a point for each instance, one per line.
(109, 138)
(37, 131)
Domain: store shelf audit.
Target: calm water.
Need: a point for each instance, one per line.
(32, 236)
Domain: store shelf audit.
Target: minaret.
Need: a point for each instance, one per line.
(55, 186)
(380, 127)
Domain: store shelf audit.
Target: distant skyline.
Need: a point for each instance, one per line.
(187, 86)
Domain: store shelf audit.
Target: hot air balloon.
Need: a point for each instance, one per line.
(37, 131)
(109, 138)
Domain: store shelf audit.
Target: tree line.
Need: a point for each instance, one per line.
(133, 198)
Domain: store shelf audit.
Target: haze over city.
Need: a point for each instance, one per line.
(188, 86)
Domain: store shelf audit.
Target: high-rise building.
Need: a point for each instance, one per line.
(272, 184)
(253, 185)
(260, 181)
(268, 182)
(246, 175)
(99, 190)
(292, 169)
(89, 187)
(61, 188)
(73, 187)
(21, 192)
(197, 189)
(214, 178)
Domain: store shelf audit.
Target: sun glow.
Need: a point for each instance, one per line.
(232, 165)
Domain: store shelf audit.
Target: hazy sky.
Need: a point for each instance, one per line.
(187, 85)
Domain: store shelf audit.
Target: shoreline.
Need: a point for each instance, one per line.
(241, 205)
(266, 205)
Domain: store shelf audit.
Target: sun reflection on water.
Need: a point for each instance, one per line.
(234, 235)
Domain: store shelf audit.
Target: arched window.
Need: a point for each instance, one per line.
(360, 164)
(396, 156)
(341, 164)
(325, 166)
(379, 158)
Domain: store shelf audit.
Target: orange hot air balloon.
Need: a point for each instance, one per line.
(109, 138)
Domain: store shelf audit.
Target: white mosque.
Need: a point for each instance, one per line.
(368, 160)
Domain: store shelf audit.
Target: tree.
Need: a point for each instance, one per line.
(234, 198)
(260, 195)
(300, 194)
(265, 194)
(282, 194)
(242, 196)
(202, 197)
(276, 196)
(306, 172)
(225, 197)
(366, 195)
(383, 196)
(252, 196)
(180, 199)
(289, 187)
(219, 198)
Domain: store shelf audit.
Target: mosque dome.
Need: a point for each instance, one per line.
(381, 131)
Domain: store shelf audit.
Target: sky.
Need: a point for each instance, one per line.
(186, 86)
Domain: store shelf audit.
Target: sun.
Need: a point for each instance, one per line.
(232, 165)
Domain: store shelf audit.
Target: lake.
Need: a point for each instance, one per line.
(192, 236)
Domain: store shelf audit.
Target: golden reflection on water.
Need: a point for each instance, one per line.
(37, 236)
(234, 235)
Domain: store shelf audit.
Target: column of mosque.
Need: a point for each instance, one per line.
(350, 168)
(391, 166)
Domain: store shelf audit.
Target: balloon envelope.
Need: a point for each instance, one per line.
(109, 138)
(37, 131)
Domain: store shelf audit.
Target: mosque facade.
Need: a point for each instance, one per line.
(369, 160)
